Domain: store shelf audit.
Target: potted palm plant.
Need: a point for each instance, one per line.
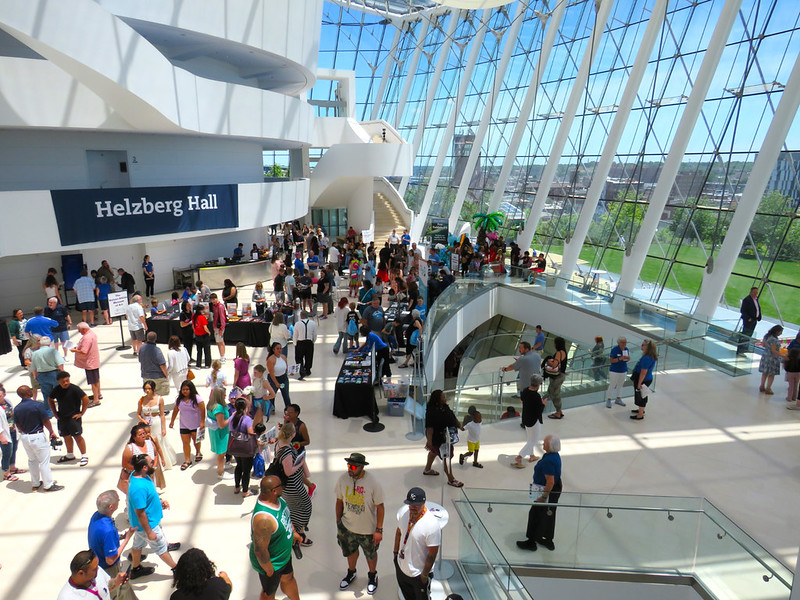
(486, 223)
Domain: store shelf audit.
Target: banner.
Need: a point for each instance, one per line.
(110, 214)
(439, 231)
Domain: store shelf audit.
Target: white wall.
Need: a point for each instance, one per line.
(29, 244)
(48, 160)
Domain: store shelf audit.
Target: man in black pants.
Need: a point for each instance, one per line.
(546, 487)
(751, 315)
(305, 334)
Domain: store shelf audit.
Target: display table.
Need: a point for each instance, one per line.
(251, 331)
(354, 394)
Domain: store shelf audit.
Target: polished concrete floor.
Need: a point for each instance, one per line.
(705, 434)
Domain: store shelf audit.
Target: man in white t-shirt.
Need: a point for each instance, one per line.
(359, 519)
(416, 544)
(136, 322)
(88, 581)
(394, 240)
(333, 258)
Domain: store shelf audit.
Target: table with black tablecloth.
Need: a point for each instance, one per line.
(354, 394)
(253, 333)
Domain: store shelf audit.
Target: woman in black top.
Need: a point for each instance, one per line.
(438, 419)
(194, 579)
(229, 293)
(532, 407)
(187, 331)
(559, 361)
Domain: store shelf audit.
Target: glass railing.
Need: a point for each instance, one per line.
(713, 344)
(596, 533)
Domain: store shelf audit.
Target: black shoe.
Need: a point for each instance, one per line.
(347, 580)
(54, 488)
(373, 582)
(548, 544)
(527, 545)
(141, 571)
(173, 547)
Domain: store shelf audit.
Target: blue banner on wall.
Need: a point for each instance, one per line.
(110, 214)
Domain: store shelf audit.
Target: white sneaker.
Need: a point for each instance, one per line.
(619, 402)
(223, 360)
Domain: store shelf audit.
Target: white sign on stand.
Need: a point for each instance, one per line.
(117, 303)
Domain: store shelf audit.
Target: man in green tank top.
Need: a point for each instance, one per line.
(272, 537)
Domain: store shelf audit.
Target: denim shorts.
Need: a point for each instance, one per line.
(158, 546)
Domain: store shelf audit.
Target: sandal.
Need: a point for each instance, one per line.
(10, 477)
(637, 417)
(246, 494)
(17, 471)
(455, 483)
(430, 472)
(185, 466)
(555, 416)
(65, 459)
(477, 465)
(198, 457)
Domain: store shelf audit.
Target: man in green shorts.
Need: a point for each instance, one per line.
(272, 537)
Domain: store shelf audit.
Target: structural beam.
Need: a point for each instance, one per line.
(441, 156)
(511, 40)
(716, 278)
(603, 8)
(411, 73)
(553, 21)
(572, 248)
(632, 264)
(387, 71)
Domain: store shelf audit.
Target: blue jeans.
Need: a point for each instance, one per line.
(338, 343)
(47, 381)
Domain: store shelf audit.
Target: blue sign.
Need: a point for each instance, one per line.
(111, 214)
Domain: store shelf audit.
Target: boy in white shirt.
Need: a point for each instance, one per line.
(473, 440)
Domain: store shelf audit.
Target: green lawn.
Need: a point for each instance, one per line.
(688, 278)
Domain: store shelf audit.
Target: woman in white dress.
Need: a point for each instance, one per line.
(151, 412)
(177, 362)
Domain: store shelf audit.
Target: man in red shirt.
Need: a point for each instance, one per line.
(87, 357)
(218, 321)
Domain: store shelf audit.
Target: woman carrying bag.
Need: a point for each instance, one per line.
(242, 444)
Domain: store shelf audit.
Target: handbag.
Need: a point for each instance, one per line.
(275, 469)
(242, 443)
(190, 375)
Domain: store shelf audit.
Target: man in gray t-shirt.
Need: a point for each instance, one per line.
(529, 363)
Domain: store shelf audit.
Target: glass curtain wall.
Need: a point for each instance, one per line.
(747, 85)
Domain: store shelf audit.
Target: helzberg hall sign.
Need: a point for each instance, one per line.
(109, 214)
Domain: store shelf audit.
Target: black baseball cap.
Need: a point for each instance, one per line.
(415, 496)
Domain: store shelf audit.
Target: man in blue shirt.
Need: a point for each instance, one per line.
(57, 312)
(145, 511)
(405, 239)
(538, 341)
(238, 252)
(39, 324)
(546, 487)
(104, 540)
(617, 371)
(373, 340)
(84, 288)
(33, 422)
(299, 267)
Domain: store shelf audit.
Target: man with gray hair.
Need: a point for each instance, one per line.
(617, 371)
(154, 365)
(529, 363)
(137, 324)
(46, 363)
(104, 540)
(546, 487)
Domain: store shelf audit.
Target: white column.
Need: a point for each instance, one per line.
(572, 248)
(603, 8)
(433, 85)
(553, 21)
(441, 156)
(411, 73)
(632, 264)
(475, 152)
(716, 278)
(387, 70)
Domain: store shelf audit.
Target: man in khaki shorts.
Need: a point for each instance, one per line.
(359, 519)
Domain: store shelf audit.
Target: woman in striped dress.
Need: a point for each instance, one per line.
(294, 492)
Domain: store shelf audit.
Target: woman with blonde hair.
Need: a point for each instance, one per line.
(216, 378)
(642, 377)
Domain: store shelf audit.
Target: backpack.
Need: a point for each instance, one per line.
(352, 327)
(258, 465)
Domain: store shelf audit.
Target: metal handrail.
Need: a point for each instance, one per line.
(608, 507)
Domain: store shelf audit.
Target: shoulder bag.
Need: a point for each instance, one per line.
(242, 443)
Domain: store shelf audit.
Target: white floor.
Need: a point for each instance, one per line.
(705, 434)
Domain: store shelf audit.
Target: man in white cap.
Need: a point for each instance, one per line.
(416, 544)
(359, 519)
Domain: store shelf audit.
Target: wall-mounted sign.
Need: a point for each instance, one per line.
(439, 231)
(109, 214)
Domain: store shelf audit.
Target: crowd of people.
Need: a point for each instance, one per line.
(308, 271)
